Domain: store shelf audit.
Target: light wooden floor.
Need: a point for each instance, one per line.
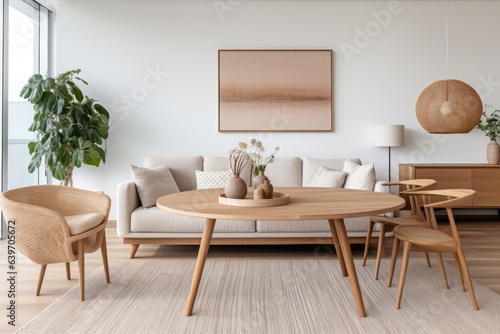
(481, 242)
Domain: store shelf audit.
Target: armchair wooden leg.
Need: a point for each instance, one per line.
(40, 278)
(380, 250)
(465, 269)
(68, 271)
(368, 240)
(459, 271)
(394, 256)
(404, 267)
(443, 271)
(104, 254)
(81, 268)
(428, 260)
(133, 250)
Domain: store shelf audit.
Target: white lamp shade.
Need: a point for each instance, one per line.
(389, 135)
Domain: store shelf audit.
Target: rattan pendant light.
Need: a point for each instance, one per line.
(448, 106)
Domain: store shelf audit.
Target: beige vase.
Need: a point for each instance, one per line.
(259, 179)
(493, 152)
(235, 187)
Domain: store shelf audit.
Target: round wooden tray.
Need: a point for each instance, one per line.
(278, 199)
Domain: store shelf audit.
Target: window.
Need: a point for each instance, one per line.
(25, 40)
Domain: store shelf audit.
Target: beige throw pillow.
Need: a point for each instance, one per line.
(360, 177)
(153, 183)
(328, 178)
(212, 179)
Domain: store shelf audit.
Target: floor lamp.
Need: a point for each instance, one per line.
(389, 136)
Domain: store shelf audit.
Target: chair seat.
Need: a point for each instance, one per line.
(81, 223)
(427, 238)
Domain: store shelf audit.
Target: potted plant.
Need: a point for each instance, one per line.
(70, 126)
(490, 125)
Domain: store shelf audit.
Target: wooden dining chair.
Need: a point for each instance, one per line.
(387, 224)
(434, 239)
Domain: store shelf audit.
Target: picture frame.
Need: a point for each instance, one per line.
(275, 90)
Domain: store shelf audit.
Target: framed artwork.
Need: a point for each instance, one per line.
(275, 90)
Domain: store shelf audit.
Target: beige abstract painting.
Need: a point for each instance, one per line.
(275, 90)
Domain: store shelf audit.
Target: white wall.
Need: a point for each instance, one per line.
(118, 43)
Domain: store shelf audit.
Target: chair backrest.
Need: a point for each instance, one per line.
(410, 186)
(454, 198)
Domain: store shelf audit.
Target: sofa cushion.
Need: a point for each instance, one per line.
(285, 172)
(222, 163)
(212, 179)
(152, 183)
(359, 176)
(328, 178)
(182, 169)
(157, 220)
(310, 167)
(80, 223)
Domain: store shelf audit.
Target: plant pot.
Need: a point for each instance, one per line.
(493, 152)
(259, 180)
(235, 187)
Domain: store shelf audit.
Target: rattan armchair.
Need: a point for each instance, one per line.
(57, 224)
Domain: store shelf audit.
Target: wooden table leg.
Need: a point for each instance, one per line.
(338, 249)
(349, 262)
(200, 263)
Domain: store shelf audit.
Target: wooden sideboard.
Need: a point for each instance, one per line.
(483, 178)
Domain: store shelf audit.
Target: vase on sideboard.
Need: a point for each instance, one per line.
(493, 152)
(235, 187)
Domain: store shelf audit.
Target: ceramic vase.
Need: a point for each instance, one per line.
(493, 152)
(268, 189)
(235, 187)
(259, 179)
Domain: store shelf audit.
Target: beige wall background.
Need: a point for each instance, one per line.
(153, 64)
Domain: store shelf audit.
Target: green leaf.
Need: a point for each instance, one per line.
(92, 157)
(35, 78)
(102, 153)
(31, 147)
(36, 95)
(101, 110)
(85, 82)
(34, 163)
(77, 158)
(24, 91)
(58, 171)
(77, 92)
(60, 106)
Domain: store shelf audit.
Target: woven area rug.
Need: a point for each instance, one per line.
(266, 296)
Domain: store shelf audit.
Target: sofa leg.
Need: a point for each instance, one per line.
(133, 250)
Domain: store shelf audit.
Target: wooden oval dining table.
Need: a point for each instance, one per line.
(306, 203)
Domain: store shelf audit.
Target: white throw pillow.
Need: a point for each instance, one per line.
(212, 179)
(153, 183)
(328, 178)
(359, 176)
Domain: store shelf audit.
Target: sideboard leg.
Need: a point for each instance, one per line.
(200, 263)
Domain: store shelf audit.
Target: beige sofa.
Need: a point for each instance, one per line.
(138, 225)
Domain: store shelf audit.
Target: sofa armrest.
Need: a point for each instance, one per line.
(127, 200)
